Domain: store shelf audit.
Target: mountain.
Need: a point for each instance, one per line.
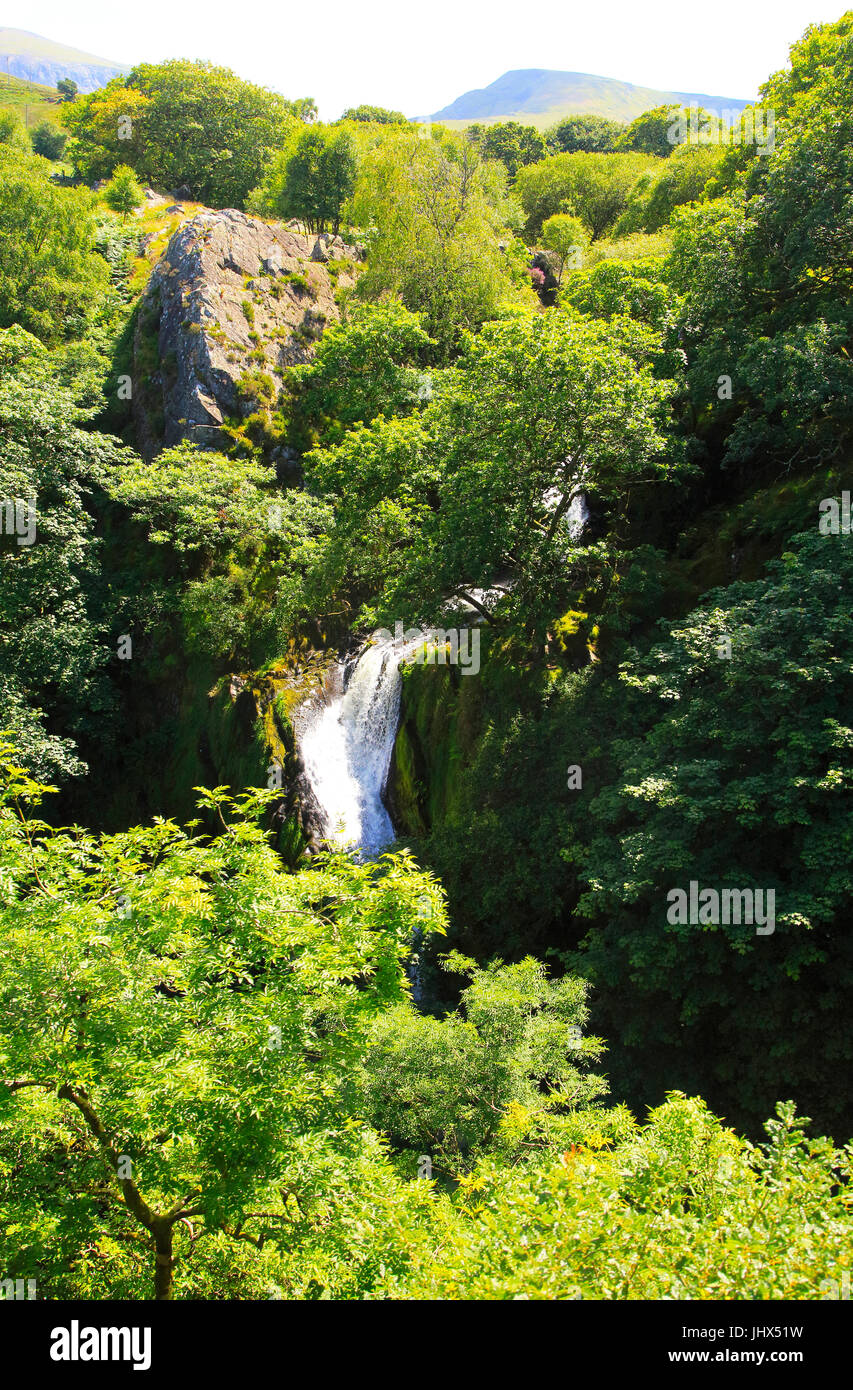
(540, 96)
(41, 60)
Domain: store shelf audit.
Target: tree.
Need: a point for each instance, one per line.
(377, 115)
(766, 278)
(53, 631)
(660, 130)
(364, 367)
(818, 59)
(682, 179)
(188, 1018)
(312, 179)
(680, 1208)
(304, 109)
(440, 241)
(513, 144)
(181, 123)
(48, 140)
(593, 187)
(123, 193)
(588, 134)
(67, 89)
(195, 501)
(379, 482)
(567, 238)
(49, 273)
(687, 807)
(105, 129)
(538, 410)
(506, 1072)
(13, 133)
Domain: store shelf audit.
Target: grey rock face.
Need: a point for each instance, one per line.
(231, 296)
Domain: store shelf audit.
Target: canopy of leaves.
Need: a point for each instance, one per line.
(505, 1073)
(48, 140)
(589, 134)
(513, 144)
(49, 272)
(740, 779)
(663, 128)
(440, 241)
(183, 123)
(123, 193)
(593, 187)
(190, 1008)
(314, 179)
(682, 179)
(679, 1211)
(53, 625)
(377, 115)
(364, 366)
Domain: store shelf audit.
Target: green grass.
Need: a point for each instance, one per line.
(32, 101)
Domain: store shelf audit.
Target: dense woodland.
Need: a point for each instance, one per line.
(214, 1082)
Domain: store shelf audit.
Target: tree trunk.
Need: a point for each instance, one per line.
(164, 1264)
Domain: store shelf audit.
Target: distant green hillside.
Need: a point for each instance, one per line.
(32, 101)
(539, 96)
(40, 60)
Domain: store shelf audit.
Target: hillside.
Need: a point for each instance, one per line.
(36, 59)
(541, 96)
(32, 101)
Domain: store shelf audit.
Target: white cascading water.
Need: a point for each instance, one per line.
(347, 745)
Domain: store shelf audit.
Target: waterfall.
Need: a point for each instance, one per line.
(347, 743)
(577, 516)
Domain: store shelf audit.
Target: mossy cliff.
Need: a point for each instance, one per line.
(441, 715)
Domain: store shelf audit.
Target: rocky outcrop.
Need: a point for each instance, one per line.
(232, 303)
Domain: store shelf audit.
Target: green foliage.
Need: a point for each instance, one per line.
(187, 1006)
(378, 481)
(513, 144)
(376, 115)
(304, 109)
(539, 410)
(766, 284)
(49, 274)
(123, 193)
(588, 134)
(242, 1033)
(661, 130)
(567, 237)
(440, 241)
(48, 140)
(13, 131)
(637, 289)
(364, 366)
(243, 549)
(682, 179)
(593, 187)
(189, 123)
(507, 1072)
(761, 805)
(52, 621)
(312, 179)
(193, 500)
(682, 1210)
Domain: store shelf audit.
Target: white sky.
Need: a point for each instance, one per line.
(419, 57)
